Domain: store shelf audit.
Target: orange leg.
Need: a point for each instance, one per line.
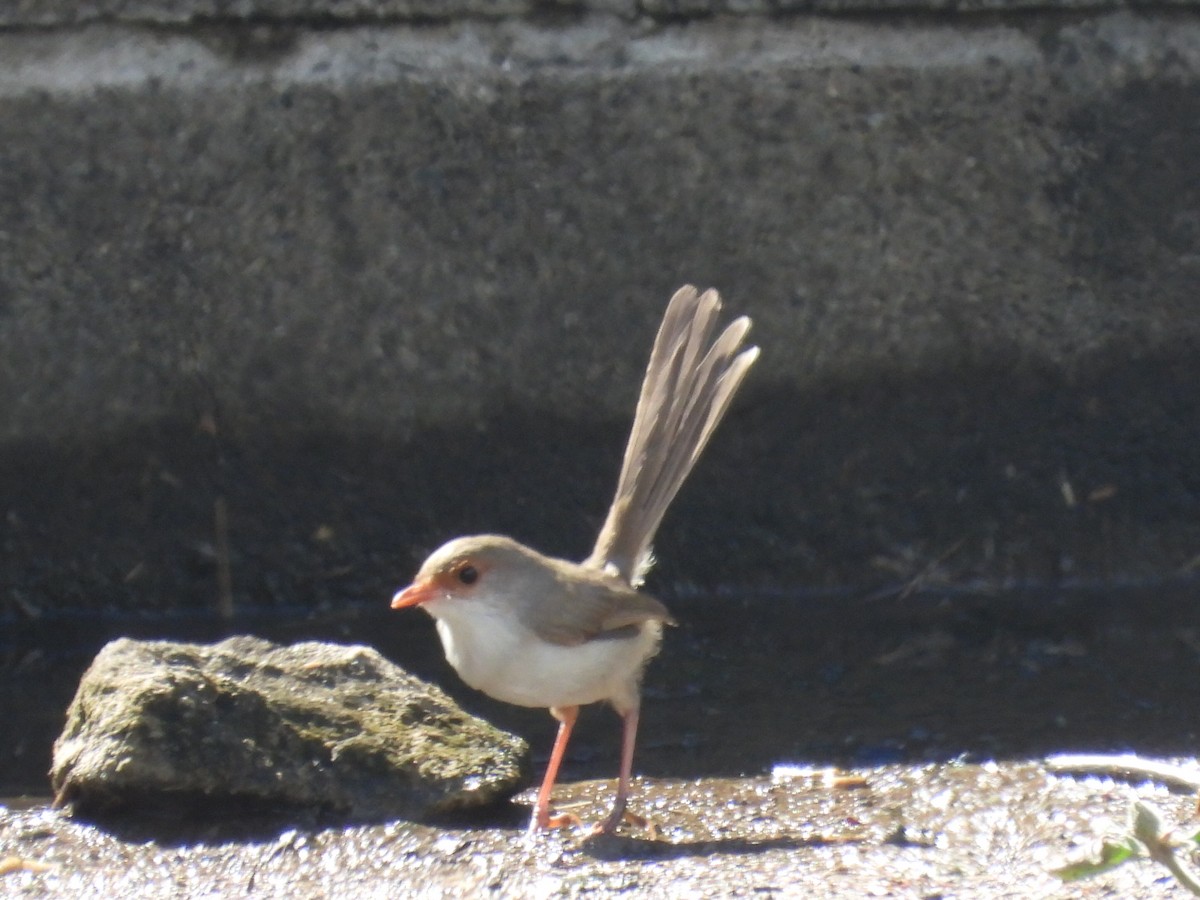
(628, 739)
(542, 819)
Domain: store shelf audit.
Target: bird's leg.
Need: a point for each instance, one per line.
(628, 739)
(542, 819)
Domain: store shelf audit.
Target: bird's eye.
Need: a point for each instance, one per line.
(468, 574)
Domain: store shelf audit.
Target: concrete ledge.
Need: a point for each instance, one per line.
(56, 13)
(234, 259)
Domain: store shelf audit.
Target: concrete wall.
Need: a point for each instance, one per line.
(371, 282)
(307, 13)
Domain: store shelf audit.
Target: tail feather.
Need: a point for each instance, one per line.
(687, 389)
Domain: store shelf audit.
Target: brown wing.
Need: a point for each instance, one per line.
(589, 605)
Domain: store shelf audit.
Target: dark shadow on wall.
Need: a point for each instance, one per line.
(988, 475)
(1132, 200)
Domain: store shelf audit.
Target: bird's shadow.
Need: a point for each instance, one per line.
(633, 847)
(614, 848)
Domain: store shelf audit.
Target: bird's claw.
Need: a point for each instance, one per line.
(609, 825)
(547, 822)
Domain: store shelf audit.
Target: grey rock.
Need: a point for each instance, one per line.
(334, 728)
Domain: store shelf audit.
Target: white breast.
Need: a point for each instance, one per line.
(497, 655)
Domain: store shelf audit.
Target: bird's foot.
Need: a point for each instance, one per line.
(544, 821)
(617, 817)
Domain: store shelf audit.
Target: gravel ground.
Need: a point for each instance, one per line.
(992, 830)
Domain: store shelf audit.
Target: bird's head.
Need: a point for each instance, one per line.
(471, 570)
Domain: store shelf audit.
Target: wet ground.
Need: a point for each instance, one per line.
(929, 831)
(937, 705)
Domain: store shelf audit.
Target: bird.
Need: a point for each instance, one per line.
(537, 631)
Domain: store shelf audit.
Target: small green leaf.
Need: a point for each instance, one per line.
(1112, 854)
(1147, 823)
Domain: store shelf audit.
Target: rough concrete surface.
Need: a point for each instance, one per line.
(387, 228)
(43, 13)
(369, 287)
(393, 228)
(179, 12)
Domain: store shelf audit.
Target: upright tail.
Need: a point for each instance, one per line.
(688, 386)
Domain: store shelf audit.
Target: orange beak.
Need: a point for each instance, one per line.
(416, 594)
